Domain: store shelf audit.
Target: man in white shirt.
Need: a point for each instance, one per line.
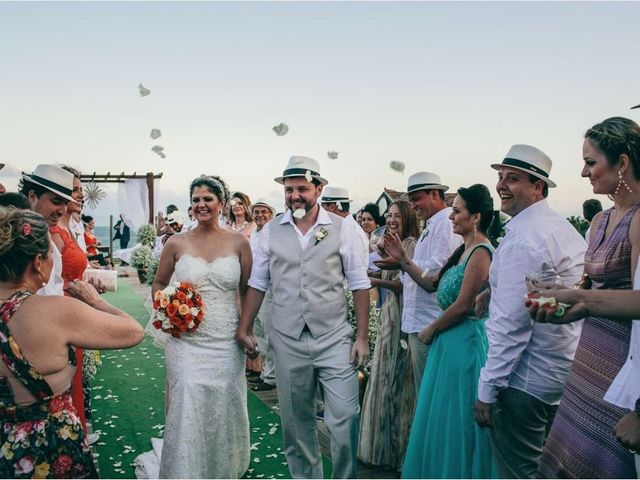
(435, 245)
(336, 200)
(262, 214)
(48, 190)
(306, 254)
(528, 363)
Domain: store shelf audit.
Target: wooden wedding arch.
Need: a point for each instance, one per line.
(121, 178)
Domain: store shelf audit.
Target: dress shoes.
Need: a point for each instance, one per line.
(262, 386)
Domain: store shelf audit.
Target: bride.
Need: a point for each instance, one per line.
(207, 426)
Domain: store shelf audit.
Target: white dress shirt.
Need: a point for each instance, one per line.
(523, 354)
(434, 247)
(625, 388)
(359, 231)
(354, 257)
(55, 286)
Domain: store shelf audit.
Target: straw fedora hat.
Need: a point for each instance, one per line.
(528, 159)
(331, 194)
(262, 203)
(301, 167)
(53, 178)
(425, 181)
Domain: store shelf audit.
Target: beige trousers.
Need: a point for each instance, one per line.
(302, 364)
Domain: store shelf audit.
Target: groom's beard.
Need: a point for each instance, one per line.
(306, 205)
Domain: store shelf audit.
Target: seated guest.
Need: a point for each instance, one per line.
(92, 242)
(41, 426)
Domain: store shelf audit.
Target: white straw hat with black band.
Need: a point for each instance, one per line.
(528, 159)
(302, 167)
(262, 203)
(331, 194)
(425, 181)
(55, 179)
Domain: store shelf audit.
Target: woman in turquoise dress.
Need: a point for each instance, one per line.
(445, 441)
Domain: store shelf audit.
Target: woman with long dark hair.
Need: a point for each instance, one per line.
(445, 441)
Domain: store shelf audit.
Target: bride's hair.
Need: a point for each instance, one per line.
(213, 183)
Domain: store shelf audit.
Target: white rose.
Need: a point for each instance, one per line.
(194, 311)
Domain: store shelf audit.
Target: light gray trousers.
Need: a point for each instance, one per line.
(300, 365)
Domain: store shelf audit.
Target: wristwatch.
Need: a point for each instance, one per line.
(637, 409)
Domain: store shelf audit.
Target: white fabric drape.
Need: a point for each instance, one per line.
(133, 202)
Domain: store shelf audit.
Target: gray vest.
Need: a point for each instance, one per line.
(307, 285)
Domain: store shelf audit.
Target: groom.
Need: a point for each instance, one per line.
(306, 254)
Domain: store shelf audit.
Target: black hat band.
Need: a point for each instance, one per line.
(290, 172)
(420, 186)
(514, 162)
(50, 184)
(334, 199)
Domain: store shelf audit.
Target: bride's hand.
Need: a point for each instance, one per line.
(248, 343)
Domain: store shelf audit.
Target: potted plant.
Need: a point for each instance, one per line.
(141, 259)
(153, 268)
(147, 235)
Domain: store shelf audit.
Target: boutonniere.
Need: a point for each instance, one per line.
(321, 235)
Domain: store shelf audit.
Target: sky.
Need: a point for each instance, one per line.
(445, 87)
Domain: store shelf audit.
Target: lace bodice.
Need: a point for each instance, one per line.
(217, 282)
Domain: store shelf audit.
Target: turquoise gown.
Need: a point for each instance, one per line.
(445, 440)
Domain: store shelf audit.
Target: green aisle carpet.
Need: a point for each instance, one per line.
(128, 406)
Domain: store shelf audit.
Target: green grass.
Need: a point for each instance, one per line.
(128, 406)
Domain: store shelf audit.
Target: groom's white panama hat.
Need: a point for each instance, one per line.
(331, 194)
(53, 178)
(299, 166)
(528, 159)
(425, 181)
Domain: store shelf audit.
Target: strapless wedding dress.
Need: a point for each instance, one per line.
(207, 425)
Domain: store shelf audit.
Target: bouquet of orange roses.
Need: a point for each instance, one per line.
(178, 309)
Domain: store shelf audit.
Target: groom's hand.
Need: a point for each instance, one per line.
(248, 343)
(360, 350)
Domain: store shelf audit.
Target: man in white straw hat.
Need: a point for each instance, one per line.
(528, 363)
(262, 213)
(435, 245)
(49, 190)
(306, 254)
(336, 200)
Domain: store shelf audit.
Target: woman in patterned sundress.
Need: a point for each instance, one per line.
(40, 432)
(581, 443)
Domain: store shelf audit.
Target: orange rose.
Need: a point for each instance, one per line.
(164, 301)
(183, 309)
(176, 303)
(159, 294)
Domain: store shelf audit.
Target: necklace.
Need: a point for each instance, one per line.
(239, 228)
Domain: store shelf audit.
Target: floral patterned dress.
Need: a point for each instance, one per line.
(44, 439)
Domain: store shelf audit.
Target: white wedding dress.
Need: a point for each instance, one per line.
(207, 425)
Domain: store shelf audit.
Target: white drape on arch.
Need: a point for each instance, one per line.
(133, 202)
